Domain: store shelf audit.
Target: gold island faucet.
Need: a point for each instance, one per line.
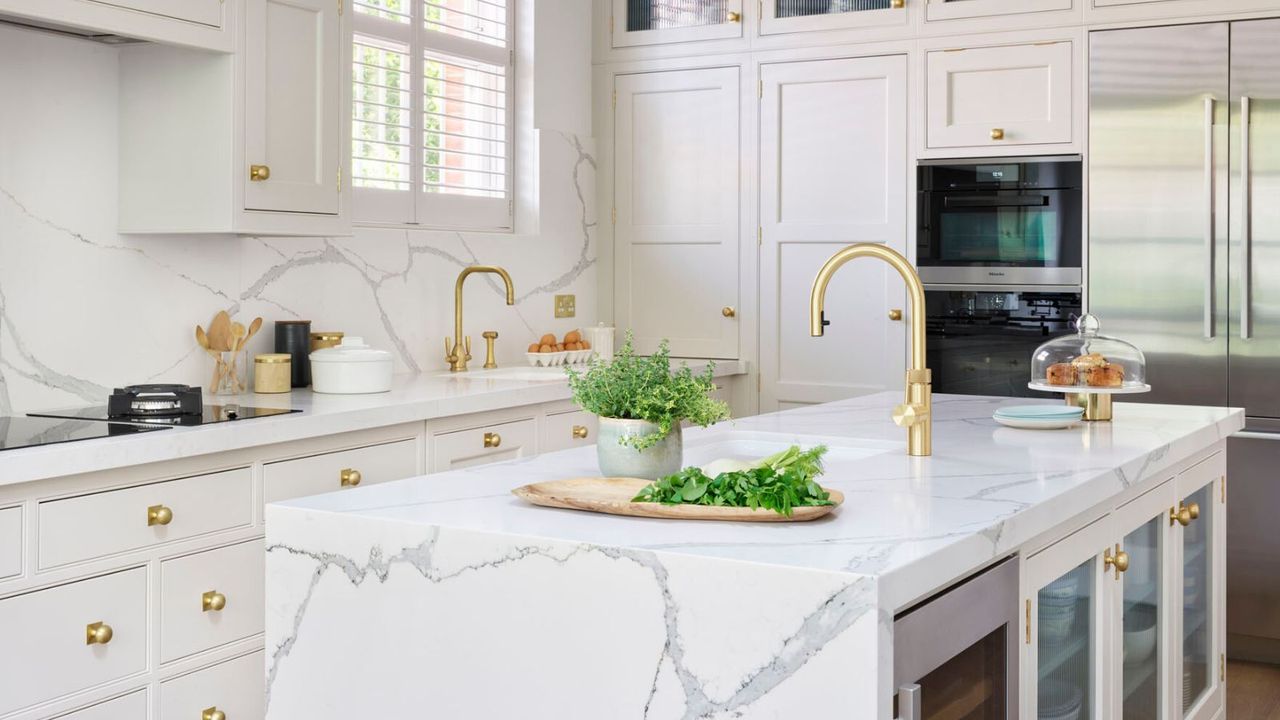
(459, 352)
(916, 413)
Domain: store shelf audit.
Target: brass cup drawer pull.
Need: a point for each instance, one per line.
(159, 515)
(98, 633)
(258, 173)
(350, 477)
(580, 432)
(212, 601)
(212, 713)
(492, 440)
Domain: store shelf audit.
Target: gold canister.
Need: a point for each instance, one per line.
(272, 373)
(321, 340)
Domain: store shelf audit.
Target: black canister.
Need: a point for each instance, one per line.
(294, 337)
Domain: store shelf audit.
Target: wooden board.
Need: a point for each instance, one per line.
(613, 496)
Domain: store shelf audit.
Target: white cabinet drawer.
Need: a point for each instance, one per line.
(130, 707)
(466, 448)
(334, 471)
(997, 96)
(204, 12)
(10, 542)
(105, 523)
(47, 630)
(235, 687)
(564, 430)
(210, 599)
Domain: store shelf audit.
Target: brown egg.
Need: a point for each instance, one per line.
(535, 347)
(572, 346)
(547, 339)
(560, 348)
(572, 336)
(546, 348)
(585, 345)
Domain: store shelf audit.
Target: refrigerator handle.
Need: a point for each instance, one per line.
(1246, 230)
(1209, 328)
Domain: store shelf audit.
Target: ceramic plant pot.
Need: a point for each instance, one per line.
(618, 460)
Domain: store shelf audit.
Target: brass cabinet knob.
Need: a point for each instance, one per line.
(159, 515)
(580, 432)
(997, 133)
(728, 311)
(258, 173)
(1194, 510)
(98, 633)
(1181, 515)
(492, 440)
(212, 601)
(212, 713)
(910, 414)
(897, 4)
(1119, 561)
(895, 315)
(349, 477)
(1122, 561)
(734, 16)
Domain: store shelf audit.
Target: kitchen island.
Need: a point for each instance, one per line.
(445, 596)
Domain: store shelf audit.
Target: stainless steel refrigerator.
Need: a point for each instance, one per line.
(1184, 258)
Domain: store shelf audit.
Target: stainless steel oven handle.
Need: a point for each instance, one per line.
(1246, 222)
(1208, 223)
(909, 702)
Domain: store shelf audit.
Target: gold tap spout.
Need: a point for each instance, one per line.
(459, 352)
(916, 413)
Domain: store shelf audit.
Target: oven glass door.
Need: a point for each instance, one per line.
(970, 686)
(980, 341)
(1000, 228)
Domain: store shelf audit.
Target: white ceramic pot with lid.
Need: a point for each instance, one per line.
(351, 368)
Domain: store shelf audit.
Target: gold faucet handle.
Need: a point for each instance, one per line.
(490, 362)
(910, 414)
(467, 344)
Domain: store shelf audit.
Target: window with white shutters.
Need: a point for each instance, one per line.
(432, 113)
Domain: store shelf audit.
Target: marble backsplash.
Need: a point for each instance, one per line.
(84, 309)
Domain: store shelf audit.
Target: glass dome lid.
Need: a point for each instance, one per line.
(1088, 362)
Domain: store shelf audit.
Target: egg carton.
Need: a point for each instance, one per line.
(556, 359)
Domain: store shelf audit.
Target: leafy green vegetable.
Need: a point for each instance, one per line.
(779, 482)
(644, 388)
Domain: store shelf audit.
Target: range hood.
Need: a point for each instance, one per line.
(67, 30)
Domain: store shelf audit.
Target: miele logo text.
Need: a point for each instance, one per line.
(996, 274)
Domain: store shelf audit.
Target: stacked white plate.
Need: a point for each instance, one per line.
(1039, 417)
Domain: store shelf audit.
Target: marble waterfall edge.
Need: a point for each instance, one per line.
(464, 624)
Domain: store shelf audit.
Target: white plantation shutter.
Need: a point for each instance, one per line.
(432, 113)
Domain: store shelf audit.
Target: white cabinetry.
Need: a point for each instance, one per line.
(1126, 616)
(1099, 11)
(482, 445)
(833, 165)
(203, 12)
(649, 22)
(991, 97)
(996, 9)
(568, 429)
(787, 16)
(676, 198)
(10, 542)
(328, 472)
(205, 24)
(130, 707)
(210, 598)
(255, 142)
(233, 688)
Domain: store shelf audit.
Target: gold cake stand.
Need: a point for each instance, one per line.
(1096, 401)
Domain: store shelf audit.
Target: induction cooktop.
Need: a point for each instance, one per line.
(20, 432)
(211, 414)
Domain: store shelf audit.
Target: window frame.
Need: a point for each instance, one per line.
(418, 208)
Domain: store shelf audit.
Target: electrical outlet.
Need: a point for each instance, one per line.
(566, 306)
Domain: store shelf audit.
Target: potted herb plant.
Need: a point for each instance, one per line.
(641, 403)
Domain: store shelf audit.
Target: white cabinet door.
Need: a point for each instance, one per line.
(483, 445)
(335, 471)
(676, 194)
(953, 10)
(1200, 593)
(786, 16)
(833, 166)
(10, 542)
(236, 688)
(998, 96)
(293, 88)
(204, 12)
(130, 707)
(564, 430)
(211, 598)
(650, 22)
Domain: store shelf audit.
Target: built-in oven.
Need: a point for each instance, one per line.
(955, 655)
(980, 338)
(1010, 221)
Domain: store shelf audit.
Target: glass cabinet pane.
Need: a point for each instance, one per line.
(1065, 646)
(668, 14)
(800, 8)
(1197, 565)
(971, 685)
(1141, 620)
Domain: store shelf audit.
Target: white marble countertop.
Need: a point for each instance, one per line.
(913, 524)
(413, 398)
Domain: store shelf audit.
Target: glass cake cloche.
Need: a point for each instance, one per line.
(1088, 362)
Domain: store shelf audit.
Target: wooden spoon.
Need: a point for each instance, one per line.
(237, 336)
(220, 331)
(253, 329)
(203, 340)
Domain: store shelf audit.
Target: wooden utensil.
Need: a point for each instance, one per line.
(220, 331)
(613, 496)
(237, 336)
(202, 339)
(253, 329)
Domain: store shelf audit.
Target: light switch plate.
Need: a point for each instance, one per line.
(566, 306)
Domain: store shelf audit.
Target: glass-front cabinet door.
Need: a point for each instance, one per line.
(1198, 524)
(1064, 627)
(650, 22)
(784, 16)
(1138, 571)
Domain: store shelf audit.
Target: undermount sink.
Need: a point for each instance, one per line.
(524, 374)
(749, 445)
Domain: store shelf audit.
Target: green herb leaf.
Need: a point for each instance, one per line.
(780, 483)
